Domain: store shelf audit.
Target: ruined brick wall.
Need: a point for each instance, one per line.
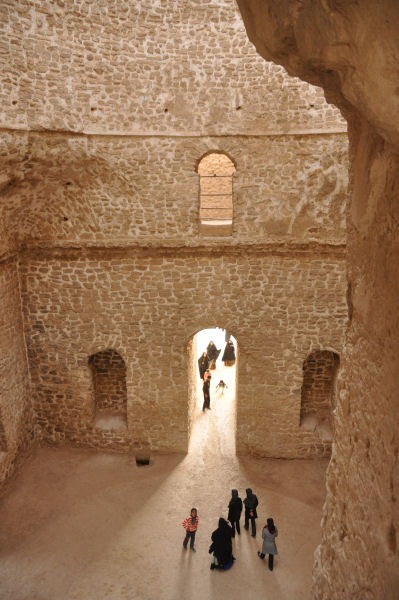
(165, 66)
(146, 190)
(147, 305)
(16, 422)
(106, 110)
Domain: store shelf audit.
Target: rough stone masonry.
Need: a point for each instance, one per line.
(105, 116)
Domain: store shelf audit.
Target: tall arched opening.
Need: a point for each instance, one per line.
(213, 364)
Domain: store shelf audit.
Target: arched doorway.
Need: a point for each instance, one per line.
(212, 427)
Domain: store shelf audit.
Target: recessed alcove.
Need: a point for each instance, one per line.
(108, 373)
(320, 370)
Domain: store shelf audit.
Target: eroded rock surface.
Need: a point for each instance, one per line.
(351, 49)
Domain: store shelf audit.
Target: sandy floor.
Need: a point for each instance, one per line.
(88, 526)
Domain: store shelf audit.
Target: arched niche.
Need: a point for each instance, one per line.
(108, 373)
(320, 370)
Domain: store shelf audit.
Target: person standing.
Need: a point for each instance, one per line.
(190, 525)
(203, 364)
(269, 534)
(207, 393)
(250, 503)
(235, 509)
(229, 355)
(212, 353)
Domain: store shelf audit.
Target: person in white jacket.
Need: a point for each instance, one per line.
(269, 533)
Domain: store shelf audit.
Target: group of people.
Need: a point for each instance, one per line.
(221, 547)
(207, 363)
(207, 360)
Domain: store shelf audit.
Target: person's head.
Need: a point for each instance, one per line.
(211, 343)
(209, 377)
(234, 493)
(193, 512)
(230, 342)
(204, 354)
(248, 492)
(270, 525)
(222, 522)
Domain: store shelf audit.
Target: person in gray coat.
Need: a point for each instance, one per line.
(269, 547)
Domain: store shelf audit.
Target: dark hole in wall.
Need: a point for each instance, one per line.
(142, 461)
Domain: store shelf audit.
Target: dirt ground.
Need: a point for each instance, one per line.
(81, 525)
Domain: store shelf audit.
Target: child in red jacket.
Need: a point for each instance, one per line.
(190, 525)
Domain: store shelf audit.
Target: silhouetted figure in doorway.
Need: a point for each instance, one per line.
(250, 503)
(235, 509)
(229, 355)
(207, 395)
(269, 533)
(203, 364)
(212, 353)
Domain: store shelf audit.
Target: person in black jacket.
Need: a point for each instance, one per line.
(221, 546)
(229, 355)
(212, 353)
(203, 364)
(235, 509)
(250, 503)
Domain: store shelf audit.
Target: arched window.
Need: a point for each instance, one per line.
(108, 371)
(216, 194)
(317, 397)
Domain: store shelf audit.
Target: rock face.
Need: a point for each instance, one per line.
(352, 50)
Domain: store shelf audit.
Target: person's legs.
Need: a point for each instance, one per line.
(253, 526)
(233, 531)
(271, 557)
(192, 540)
(246, 524)
(261, 555)
(238, 526)
(186, 539)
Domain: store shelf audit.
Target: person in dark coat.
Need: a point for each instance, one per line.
(269, 533)
(212, 353)
(235, 509)
(207, 394)
(229, 355)
(250, 503)
(221, 546)
(203, 364)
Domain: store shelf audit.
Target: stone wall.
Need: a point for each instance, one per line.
(106, 110)
(147, 306)
(160, 66)
(146, 190)
(16, 422)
